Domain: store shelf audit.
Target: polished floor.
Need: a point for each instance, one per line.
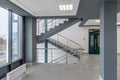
(87, 69)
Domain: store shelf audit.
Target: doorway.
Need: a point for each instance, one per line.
(94, 41)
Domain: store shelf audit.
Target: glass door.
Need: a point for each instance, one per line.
(94, 42)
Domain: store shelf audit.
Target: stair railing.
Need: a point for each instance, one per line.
(68, 42)
(55, 22)
(40, 54)
(64, 57)
(40, 27)
(53, 57)
(51, 24)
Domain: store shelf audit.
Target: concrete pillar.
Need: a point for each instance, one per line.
(108, 41)
(30, 39)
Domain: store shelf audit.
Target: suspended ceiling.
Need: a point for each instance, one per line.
(97, 21)
(86, 9)
(47, 7)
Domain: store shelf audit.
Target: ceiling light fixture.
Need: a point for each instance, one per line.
(66, 7)
(70, 7)
(60, 7)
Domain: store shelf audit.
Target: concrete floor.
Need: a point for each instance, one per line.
(87, 69)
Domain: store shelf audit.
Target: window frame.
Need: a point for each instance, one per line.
(4, 69)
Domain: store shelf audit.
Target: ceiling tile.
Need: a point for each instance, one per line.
(46, 7)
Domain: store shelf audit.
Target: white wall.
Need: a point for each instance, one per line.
(81, 35)
(118, 39)
(40, 53)
(78, 34)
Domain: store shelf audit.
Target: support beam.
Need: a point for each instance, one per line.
(108, 40)
(46, 42)
(46, 51)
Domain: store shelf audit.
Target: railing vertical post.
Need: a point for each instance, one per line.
(66, 59)
(51, 55)
(38, 27)
(55, 22)
(79, 55)
(52, 24)
(67, 42)
(57, 37)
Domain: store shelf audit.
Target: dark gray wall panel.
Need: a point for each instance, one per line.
(3, 71)
(9, 5)
(7, 68)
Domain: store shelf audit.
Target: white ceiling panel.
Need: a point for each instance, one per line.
(47, 7)
(93, 22)
(97, 21)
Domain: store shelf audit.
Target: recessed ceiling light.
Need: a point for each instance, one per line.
(60, 7)
(71, 7)
(66, 7)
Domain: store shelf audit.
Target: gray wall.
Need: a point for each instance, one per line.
(30, 39)
(9, 5)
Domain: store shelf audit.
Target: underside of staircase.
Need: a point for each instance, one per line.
(45, 36)
(71, 21)
(64, 47)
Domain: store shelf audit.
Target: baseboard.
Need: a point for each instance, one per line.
(30, 64)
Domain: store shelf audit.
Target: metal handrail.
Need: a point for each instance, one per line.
(40, 26)
(48, 22)
(66, 56)
(48, 48)
(59, 58)
(63, 57)
(70, 40)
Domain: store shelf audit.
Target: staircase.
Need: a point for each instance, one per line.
(66, 48)
(57, 28)
(53, 27)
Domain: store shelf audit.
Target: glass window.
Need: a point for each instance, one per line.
(16, 37)
(3, 36)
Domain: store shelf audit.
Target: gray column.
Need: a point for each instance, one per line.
(30, 39)
(108, 41)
